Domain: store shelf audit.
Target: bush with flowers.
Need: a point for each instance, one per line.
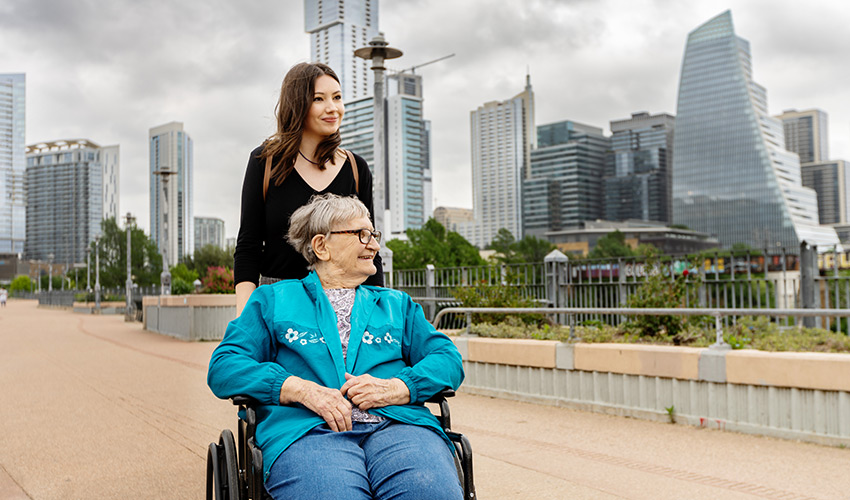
(218, 280)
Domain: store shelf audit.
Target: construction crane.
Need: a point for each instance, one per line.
(412, 69)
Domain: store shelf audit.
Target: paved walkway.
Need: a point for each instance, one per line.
(96, 408)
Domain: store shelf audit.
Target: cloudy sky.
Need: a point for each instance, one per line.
(110, 70)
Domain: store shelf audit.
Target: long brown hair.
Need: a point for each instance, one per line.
(296, 97)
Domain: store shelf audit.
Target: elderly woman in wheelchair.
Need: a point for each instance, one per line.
(341, 371)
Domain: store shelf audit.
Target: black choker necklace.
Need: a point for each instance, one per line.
(308, 159)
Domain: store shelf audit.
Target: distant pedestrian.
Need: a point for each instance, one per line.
(3, 295)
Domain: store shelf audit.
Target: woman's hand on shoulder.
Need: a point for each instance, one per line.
(366, 391)
(325, 402)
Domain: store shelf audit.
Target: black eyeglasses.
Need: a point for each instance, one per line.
(364, 234)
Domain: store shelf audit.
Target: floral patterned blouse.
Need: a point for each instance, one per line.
(342, 300)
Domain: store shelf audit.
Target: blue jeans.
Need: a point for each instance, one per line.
(385, 460)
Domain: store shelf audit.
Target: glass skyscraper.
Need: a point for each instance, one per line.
(563, 187)
(171, 193)
(831, 181)
(12, 162)
(732, 176)
(65, 188)
(337, 28)
(637, 183)
(408, 165)
(807, 134)
(502, 139)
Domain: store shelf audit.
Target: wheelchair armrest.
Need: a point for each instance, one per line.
(244, 401)
(441, 396)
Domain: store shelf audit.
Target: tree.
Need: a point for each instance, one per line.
(209, 256)
(21, 283)
(503, 244)
(610, 246)
(146, 265)
(432, 244)
(532, 249)
(528, 249)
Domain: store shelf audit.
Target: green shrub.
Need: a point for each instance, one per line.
(485, 295)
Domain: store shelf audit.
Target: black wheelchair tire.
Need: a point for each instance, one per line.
(230, 471)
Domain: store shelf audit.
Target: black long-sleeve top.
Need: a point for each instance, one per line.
(261, 246)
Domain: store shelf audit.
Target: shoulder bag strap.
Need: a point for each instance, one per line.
(267, 175)
(354, 171)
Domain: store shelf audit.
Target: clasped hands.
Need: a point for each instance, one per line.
(364, 391)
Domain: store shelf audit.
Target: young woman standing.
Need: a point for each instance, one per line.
(301, 159)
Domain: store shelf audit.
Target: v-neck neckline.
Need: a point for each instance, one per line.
(341, 168)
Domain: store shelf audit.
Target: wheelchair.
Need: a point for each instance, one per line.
(235, 467)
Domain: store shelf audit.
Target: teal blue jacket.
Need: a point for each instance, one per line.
(289, 328)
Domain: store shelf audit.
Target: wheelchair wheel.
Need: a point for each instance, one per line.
(223, 470)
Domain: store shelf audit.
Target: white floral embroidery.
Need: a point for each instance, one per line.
(303, 337)
(389, 338)
(367, 337)
(378, 340)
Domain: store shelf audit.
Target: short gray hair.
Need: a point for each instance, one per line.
(318, 216)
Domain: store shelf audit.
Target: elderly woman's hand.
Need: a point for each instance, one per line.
(366, 391)
(323, 401)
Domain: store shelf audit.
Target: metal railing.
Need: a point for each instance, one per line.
(571, 312)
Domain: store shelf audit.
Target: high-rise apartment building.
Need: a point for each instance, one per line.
(110, 158)
(408, 168)
(337, 28)
(732, 176)
(564, 183)
(12, 162)
(638, 170)
(171, 193)
(65, 187)
(831, 182)
(503, 136)
(807, 134)
(209, 231)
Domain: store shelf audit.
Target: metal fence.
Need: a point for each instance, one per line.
(807, 280)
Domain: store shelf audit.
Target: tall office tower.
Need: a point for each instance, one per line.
(64, 199)
(407, 153)
(732, 176)
(357, 130)
(502, 139)
(637, 183)
(337, 28)
(831, 182)
(427, 177)
(209, 231)
(807, 134)
(171, 202)
(564, 185)
(13, 203)
(110, 158)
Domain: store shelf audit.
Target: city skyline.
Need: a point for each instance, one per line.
(590, 63)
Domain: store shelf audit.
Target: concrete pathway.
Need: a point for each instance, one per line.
(97, 408)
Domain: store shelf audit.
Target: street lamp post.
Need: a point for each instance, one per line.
(130, 220)
(96, 273)
(165, 230)
(378, 51)
(50, 272)
(88, 271)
